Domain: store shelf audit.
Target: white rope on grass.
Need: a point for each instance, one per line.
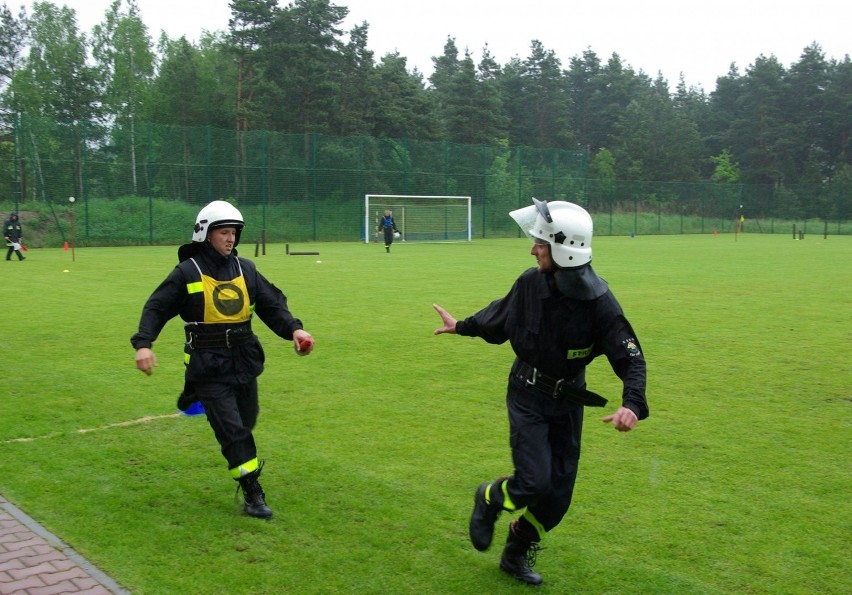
(131, 422)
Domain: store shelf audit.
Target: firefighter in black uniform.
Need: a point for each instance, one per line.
(13, 234)
(388, 225)
(558, 317)
(216, 293)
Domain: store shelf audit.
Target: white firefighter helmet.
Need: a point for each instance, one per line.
(567, 227)
(217, 214)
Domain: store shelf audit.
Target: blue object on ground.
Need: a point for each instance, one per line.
(195, 409)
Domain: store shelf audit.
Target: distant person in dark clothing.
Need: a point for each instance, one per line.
(739, 219)
(388, 225)
(13, 234)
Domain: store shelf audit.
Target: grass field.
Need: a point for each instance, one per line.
(739, 482)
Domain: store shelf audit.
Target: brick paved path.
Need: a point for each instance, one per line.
(33, 561)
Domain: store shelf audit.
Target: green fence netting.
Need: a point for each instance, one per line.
(311, 187)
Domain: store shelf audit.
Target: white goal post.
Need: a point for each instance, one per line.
(419, 218)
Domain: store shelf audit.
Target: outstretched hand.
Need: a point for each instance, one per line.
(622, 420)
(447, 319)
(146, 361)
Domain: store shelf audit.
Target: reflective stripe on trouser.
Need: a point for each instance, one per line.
(545, 439)
(529, 524)
(502, 497)
(244, 468)
(232, 411)
(536, 527)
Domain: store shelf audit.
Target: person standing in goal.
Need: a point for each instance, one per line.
(558, 317)
(388, 225)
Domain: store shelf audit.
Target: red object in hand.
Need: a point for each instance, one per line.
(305, 346)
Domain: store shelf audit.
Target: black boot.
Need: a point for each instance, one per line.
(485, 514)
(255, 503)
(519, 556)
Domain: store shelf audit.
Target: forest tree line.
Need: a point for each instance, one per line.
(292, 69)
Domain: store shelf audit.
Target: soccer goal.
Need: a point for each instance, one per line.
(420, 218)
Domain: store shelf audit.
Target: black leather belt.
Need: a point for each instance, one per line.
(227, 339)
(557, 387)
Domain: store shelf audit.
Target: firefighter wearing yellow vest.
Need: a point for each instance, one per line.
(216, 294)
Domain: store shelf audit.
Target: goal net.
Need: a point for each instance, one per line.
(419, 218)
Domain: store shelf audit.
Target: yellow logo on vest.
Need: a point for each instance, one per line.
(225, 301)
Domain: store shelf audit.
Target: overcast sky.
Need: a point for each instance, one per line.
(698, 39)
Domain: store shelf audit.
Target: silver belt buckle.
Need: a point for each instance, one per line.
(228, 338)
(556, 387)
(534, 377)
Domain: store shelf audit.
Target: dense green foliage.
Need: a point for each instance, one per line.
(291, 69)
(374, 444)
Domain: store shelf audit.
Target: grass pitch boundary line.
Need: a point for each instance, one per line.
(130, 422)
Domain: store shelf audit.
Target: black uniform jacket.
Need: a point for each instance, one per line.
(12, 230)
(561, 336)
(172, 298)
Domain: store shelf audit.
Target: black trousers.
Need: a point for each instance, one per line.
(388, 236)
(11, 250)
(544, 434)
(232, 411)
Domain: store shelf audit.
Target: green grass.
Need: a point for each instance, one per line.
(739, 481)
